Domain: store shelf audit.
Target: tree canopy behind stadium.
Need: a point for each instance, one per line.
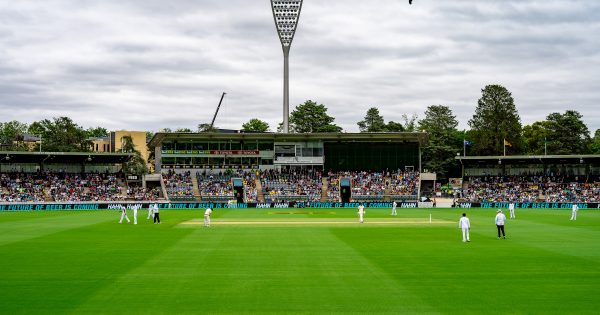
(331, 151)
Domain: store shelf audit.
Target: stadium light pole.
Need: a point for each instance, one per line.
(286, 14)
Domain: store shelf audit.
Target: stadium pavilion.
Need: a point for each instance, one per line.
(566, 165)
(326, 151)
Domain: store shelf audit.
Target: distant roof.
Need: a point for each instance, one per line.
(63, 157)
(531, 159)
(418, 137)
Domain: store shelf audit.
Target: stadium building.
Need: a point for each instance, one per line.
(325, 151)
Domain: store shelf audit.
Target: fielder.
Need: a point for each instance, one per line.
(361, 213)
(511, 209)
(500, 218)
(150, 211)
(123, 214)
(135, 210)
(207, 214)
(465, 225)
(394, 208)
(574, 212)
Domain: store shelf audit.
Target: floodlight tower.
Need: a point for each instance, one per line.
(286, 14)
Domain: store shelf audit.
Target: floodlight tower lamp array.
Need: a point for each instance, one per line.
(286, 14)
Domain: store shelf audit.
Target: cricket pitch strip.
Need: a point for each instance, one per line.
(317, 222)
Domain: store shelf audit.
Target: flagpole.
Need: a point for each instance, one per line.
(464, 146)
(545, 147)
(504, 146)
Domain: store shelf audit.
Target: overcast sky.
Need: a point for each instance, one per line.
(151, 64)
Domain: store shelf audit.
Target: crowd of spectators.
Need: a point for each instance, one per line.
(59, 187)
(287, 185)
(404, 183)
(179, 185)
(68, 187)
(537, 188)
(367, 185)
(21, 187)
(139, 193)
(215, 185)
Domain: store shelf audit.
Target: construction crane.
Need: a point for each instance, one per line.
(212, 123)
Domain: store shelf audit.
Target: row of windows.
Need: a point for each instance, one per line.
(216, 161)
(221, 145)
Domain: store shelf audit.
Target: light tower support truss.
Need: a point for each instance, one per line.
(286, 14)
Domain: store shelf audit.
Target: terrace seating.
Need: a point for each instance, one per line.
(291, 186)
(530, 189)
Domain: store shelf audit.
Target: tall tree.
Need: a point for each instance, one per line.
(61, 135)
(97, 132)
(444, 140)
(496, 119)
(205, 127)
(11, 135)
(567, 133)
(595, 147)
(312, 117)
(409, 123)
(136, 165)
(255, 125)
(393, 126)
(535, 137)
(373, 121)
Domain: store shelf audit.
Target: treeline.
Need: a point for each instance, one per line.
(60, 134)
(495, 128)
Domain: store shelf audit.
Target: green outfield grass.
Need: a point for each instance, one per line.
(85, 262)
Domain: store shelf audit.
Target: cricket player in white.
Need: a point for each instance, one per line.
(135, 210)
(500, 219)
(207, 214)
(361, 213)
(123, 214)
(150, 211)
(511, 209)
(394, 208)
(574, 212)
(465, 225)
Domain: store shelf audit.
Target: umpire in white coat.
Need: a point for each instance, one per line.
(500, 219)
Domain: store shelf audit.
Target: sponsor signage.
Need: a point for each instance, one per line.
(529, 205)
(213, 152)
(194, 205)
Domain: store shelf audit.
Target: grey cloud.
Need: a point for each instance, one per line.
(152, 64)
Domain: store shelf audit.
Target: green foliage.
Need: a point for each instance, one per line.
(97, 132)
(61, 135)
(567, 133)
(11, 136)
(183, 130)
(136, 165)
(535, 137)
(409, 123)
(444, 140)
(373, 121)
(595, 147)
(310, 117)
(393, 126)
(149, 135)
(205, 127)
(255, 125)
(495, 119)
